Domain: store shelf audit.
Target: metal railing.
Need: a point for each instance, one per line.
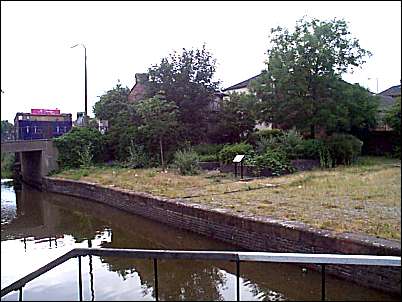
(319, 259)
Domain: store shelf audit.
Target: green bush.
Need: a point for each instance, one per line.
(208, 149)
(228, 152)
(137, 156)
(255, 137)
(275, 160)
(7, 162)
(343, 148)
(186, 162)
(209, 157)
(80, 146)
(286, 143)
(309, 149)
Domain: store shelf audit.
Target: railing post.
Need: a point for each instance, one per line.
(238, 280)
(79, 278)
(20, 295)
(156, 278)
(323, 282)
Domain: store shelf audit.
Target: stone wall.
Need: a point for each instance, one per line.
(252, 233)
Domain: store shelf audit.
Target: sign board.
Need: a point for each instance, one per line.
(45, 111)
(238, 158)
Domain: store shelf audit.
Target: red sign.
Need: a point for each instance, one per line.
(45, 111)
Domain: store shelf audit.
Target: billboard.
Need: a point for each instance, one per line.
(45, 111)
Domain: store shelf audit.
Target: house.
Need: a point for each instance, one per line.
(387, 100)
(242, 87)
(138, 92)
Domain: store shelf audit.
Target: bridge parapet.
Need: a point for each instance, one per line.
(38, 158)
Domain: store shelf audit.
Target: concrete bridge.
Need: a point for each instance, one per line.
(38, 158)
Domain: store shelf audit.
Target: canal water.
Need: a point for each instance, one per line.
(37, 227)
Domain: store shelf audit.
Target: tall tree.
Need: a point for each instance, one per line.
(187, 81)
(159, 119)
(393, 116)
(235, 118)
(7, 131)
(112, 104)
(304, 68)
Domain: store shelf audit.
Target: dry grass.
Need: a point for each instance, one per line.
(363, 198)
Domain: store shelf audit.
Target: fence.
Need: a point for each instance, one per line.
(237, 257)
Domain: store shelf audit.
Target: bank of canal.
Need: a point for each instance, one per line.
(37, 227)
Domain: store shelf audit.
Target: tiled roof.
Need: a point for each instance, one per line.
(392, 91)
(243, 84)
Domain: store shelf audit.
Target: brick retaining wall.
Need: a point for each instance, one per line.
(252, 233)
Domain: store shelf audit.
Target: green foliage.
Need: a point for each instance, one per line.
(393, 116)
(343, 148)
(309, 149)
(79, 146)
(158, 120)
(208, 152)
(257, 136)
(7, 131)
(7, 162)
(85, 156)
(112, 103)
(326, 160)
(301, 86)
(287, 143)
(275, 160)
(235, 119)
(138, 157)
(228, 152)
(186, 79)
(187, 162)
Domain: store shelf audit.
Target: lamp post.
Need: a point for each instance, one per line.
(86, 95)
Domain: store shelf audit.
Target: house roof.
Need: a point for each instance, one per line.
(243, 84)
(392, 91)
(386, 102)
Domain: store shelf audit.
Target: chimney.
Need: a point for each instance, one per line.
(141, 78)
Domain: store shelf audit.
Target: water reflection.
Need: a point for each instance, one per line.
(38, 227)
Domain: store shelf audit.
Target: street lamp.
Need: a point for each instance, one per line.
(86, 100)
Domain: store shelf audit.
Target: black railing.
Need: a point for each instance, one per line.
(237, 257)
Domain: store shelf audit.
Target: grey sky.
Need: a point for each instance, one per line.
(40, 70)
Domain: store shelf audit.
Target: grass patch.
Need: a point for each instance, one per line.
(362, 198)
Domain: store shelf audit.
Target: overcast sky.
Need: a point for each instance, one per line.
(40, 70)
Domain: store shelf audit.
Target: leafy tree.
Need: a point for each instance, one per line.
(159, 119)
(112, 104)
(393, 116)
(187, 81)
(123, 121)
(6, 130)
(304, 69)
(235, 119)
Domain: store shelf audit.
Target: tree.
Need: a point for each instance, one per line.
(187, 81)
(112, 104)
(7, 131)
(159, 119)
(235, 118)
(393, 116)
(123, 121)
(304, 69)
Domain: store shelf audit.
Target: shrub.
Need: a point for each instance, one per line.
(208, 149)
(255, 137)
(137, 156)
(275, 160)
(228, 152)
(7, 162)
(286, 143)
(80, 146)
(344, 148)
(209, 157)
(309, 149)
(187, 162)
